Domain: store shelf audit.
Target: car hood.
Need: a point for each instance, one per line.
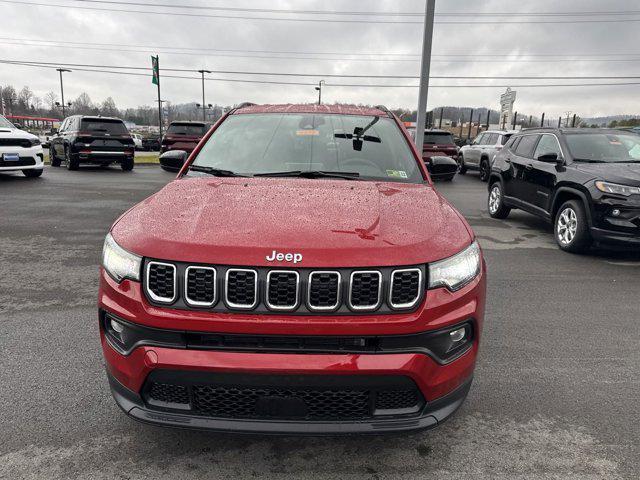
(339, 223)
(623, 173)
(15, 133)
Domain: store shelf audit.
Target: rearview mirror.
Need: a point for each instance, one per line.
(551, 158)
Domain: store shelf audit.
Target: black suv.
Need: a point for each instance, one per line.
(587, 181)
(94, 140)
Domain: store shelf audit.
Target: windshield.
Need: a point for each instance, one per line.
(186, 129)
(4, 123)
(604, 147)
(112, 127)
(368, 146)
(438, 138)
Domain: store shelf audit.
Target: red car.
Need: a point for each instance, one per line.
(300, 275)
(439, 143)
(183, 136)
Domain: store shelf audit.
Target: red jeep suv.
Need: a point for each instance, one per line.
(300, 275)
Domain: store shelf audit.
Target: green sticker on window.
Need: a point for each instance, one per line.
(397, 173)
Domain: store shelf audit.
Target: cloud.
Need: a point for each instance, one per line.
(507, 42)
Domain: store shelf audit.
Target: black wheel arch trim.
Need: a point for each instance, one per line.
(555, 204)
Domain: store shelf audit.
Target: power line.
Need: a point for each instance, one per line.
(324, 20)
(363, 13)
(358, 54)
(340, 75)
(358, 85)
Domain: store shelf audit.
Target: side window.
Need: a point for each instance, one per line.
(493, 139)
(548, 144)
(64, 125)
(478, 139)
(513, 144)
(526, 145)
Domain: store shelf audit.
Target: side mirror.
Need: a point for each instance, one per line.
(54, 131)
(551, 158)
(17, 125)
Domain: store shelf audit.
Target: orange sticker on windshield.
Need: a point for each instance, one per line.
(307, 133)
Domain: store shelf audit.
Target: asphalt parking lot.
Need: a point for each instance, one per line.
(555, 394)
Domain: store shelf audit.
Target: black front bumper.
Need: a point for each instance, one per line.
(612, 237)
(430, 415)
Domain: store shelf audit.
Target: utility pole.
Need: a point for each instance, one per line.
(441, 112)
(542, 121)
(62, 70)
(155, 63)
(1, 103)
(425, 64)
(204, 105)
(567, 122)
(470, 122)
(488, 117)
(319, 89)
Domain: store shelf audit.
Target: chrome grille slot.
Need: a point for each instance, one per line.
(283, 287)
(161, 282)
(365, 290)
(241, 288)
(200, 286)
(405, 286)
(324, 290)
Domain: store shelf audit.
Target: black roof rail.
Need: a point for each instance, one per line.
(244, 104)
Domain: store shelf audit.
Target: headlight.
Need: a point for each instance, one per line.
(35, 142)
(455, 272)
(119, 263)
(617, 189)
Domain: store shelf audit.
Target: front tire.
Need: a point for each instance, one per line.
(127, 164)
(485, 170)
(571, 228)
(32, 173)
(495, 202)
(463, 168)
(72, 163)
(55, 161)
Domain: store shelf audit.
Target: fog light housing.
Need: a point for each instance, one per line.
(615, 212)
(116, 326)
(458, 335)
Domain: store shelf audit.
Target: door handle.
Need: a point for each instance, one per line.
(508, 159)
(528, 166)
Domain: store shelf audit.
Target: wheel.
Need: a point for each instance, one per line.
(127, 164)
(463, 168)
(571, 227)
(449, 179)
(32, 173)
(495, 202)
(72, 163)
(485, 170)
(55, 161)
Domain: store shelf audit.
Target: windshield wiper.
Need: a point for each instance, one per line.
(217, 172)
(311, 174)
(588, 160)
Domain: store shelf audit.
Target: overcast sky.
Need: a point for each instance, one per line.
(507, 42)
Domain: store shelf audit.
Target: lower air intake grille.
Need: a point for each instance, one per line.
(167, 393)
(293, 398)
(397, 399)
(161, 281)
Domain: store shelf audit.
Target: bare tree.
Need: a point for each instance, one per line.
(51, 98)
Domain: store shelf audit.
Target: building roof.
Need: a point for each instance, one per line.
(313, 108)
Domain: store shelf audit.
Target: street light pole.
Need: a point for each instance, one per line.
(61, 70)
(427, 40)
(204, 105)
(319, 89)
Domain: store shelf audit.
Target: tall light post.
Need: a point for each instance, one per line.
(204, 105)
(319, 89)
(425, 64)
(62, 70)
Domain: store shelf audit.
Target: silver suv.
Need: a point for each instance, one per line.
(479, 154)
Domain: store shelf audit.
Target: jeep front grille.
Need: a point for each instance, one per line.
(161, 282)
(301, 291)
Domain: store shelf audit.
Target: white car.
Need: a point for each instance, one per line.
(19, 150)
(479, 154)
(137, 141)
